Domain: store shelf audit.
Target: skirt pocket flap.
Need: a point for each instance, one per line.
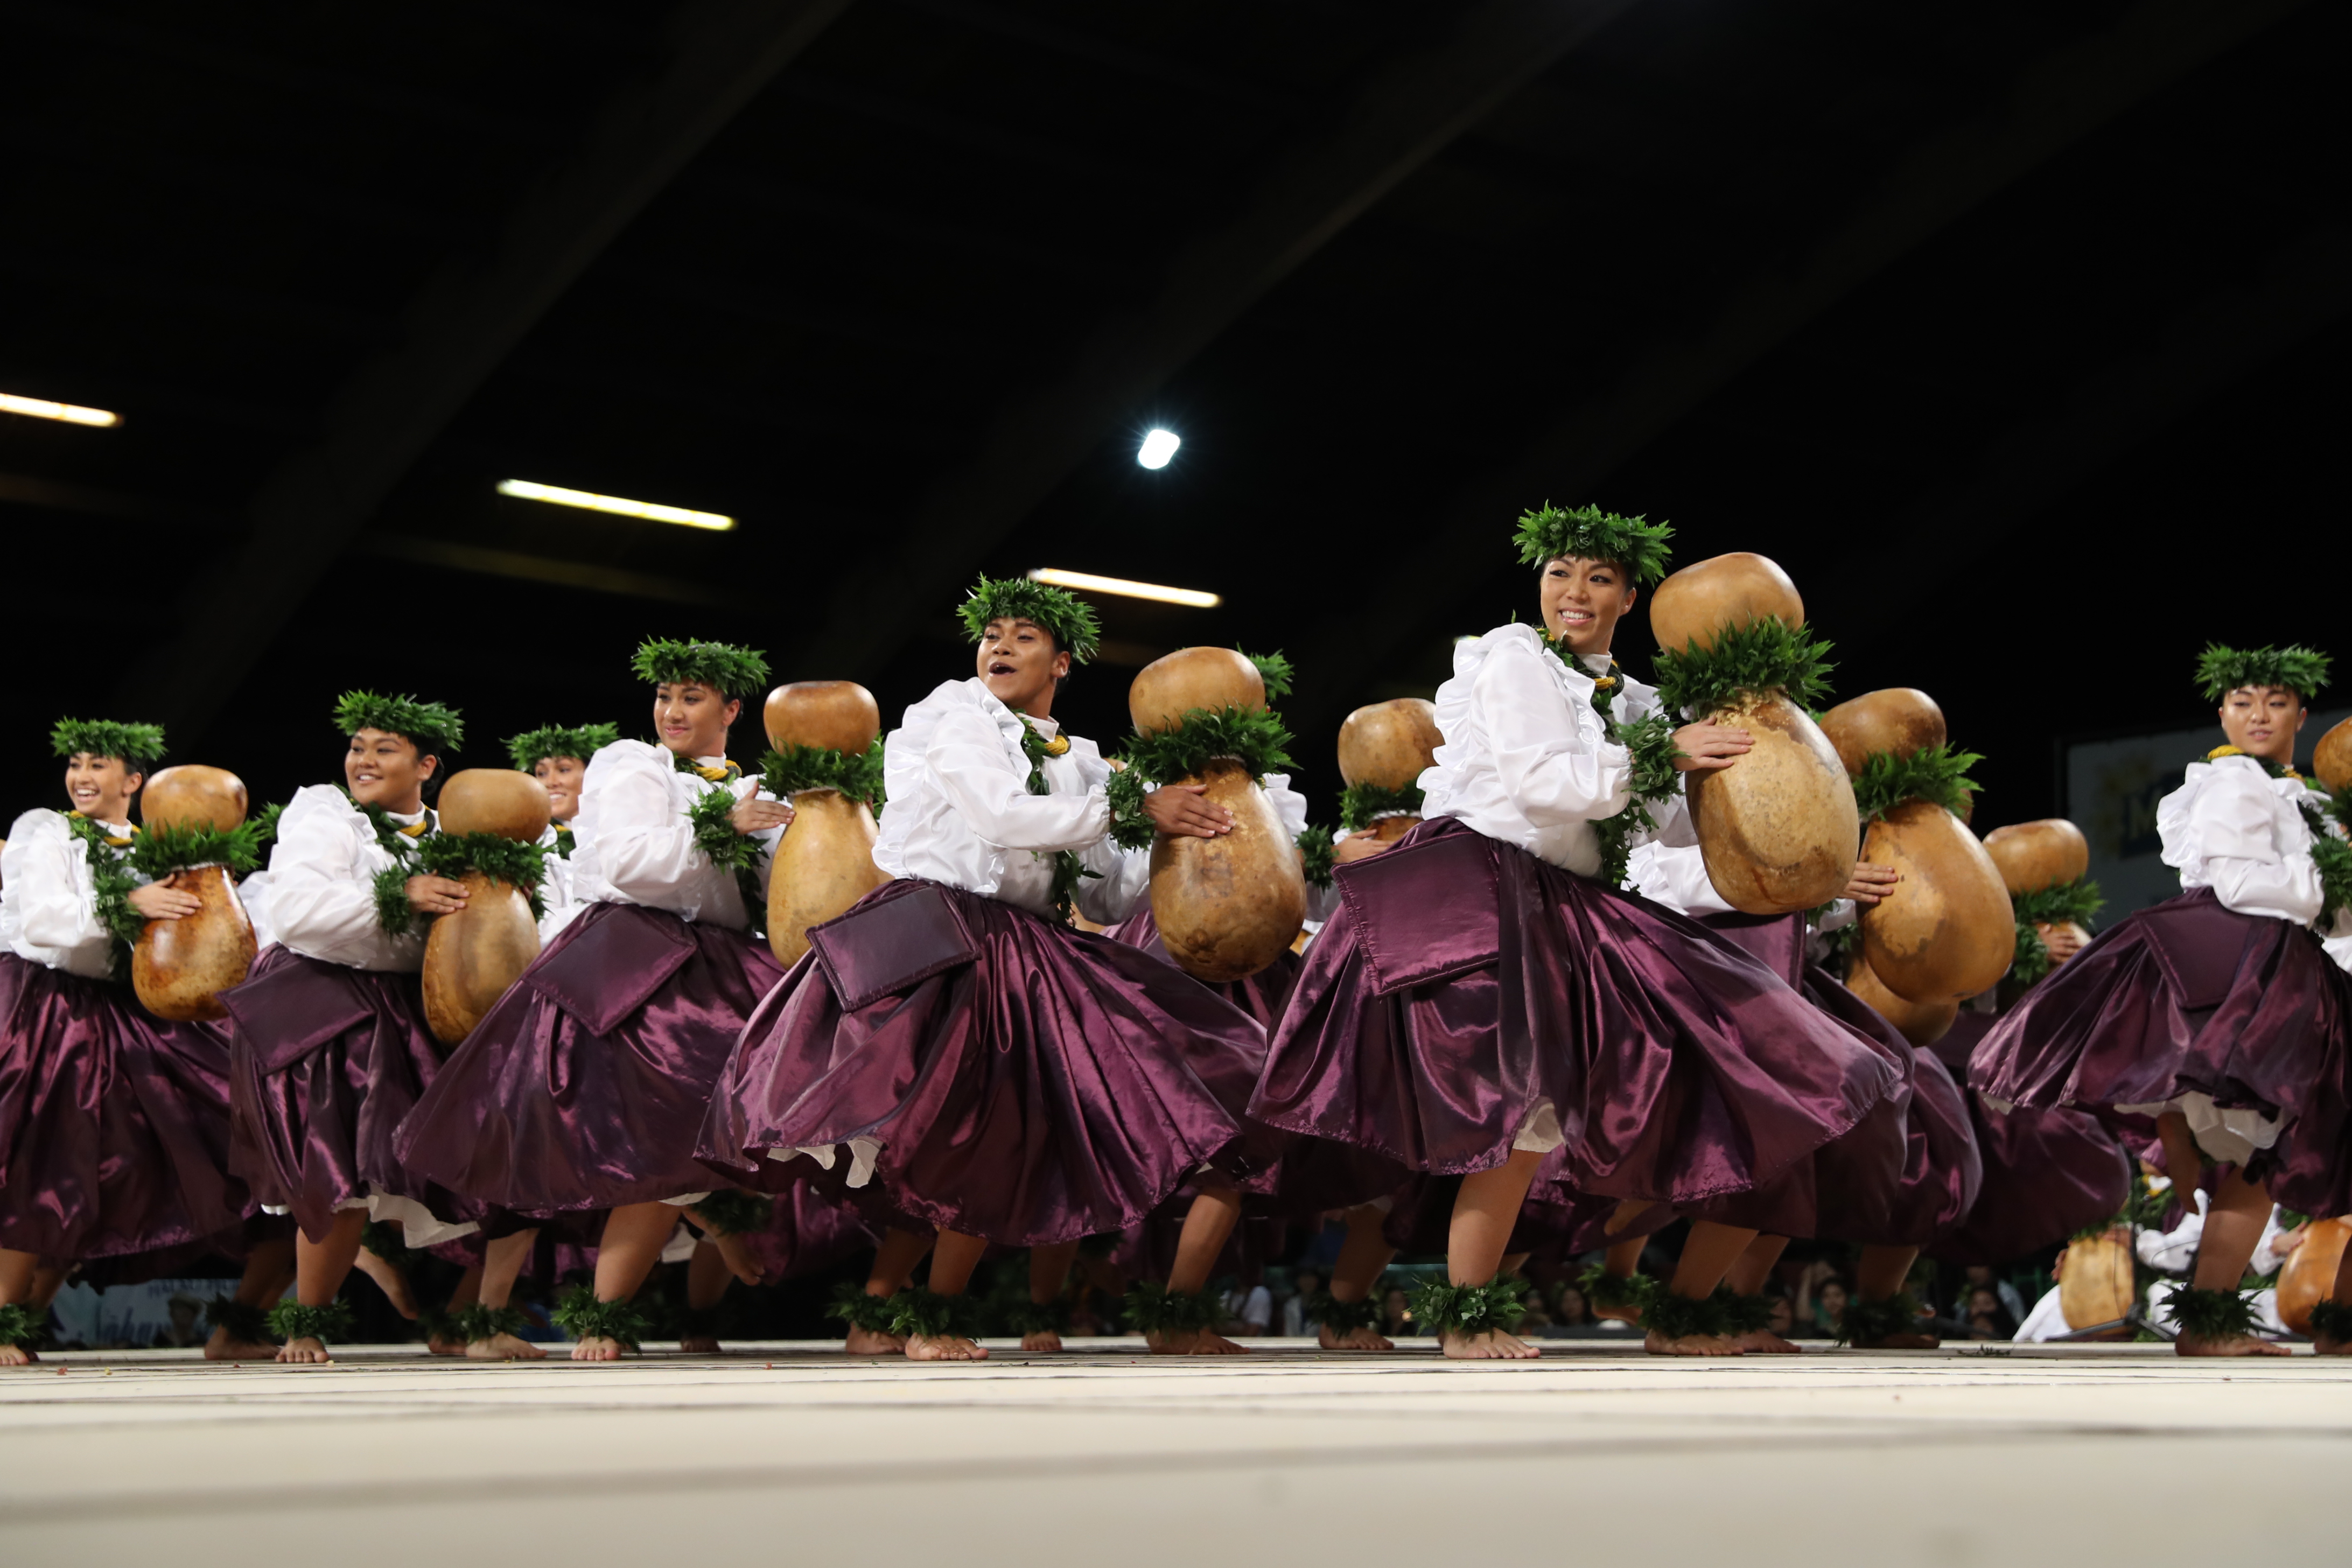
(2199, 946)
(1426, 912)
(888, 945)
(292, 1012)
(612, 967)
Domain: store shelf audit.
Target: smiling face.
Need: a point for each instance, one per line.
(101, 787)
(1019, 664)
(692, 719)
(382, 769)
(1582, 601)
(562, 776)
(2263, 721)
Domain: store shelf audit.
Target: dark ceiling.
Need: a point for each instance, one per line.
(2014, 330)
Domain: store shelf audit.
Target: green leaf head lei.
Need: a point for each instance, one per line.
(139, 747)
(434, 728)
(735, 673)
(2222, 670)
(533, 747)
(1065, 617)
(1764, 658)
(1588, 534)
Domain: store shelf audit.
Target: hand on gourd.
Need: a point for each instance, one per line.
(2062, 941)
(436, 895)
(162, 902)
(757, 814)
(1179, 812)
(1707, 748)
(1871, 883)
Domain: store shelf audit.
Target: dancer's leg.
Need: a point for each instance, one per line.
(894, 1264)
(1049, 1271)
(733, 1246)
(319, 1270)
(1207, 1226)
(1747, 1277)
(2234, 1225)
(388, 1275)
(269, 1269)
(1878, 1282)
(635, 1234)
(502, 1262)
(1610, 1293)
(707, 1276)
(442, 1338)
(1485, 1212)
(1707, 1256)
(954, 1257)
(17, 1270)
(1363, 1258)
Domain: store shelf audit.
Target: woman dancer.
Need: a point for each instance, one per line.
(2216, 1011)
(986, 1067)
(1487, 995)
(557, 758)
(331, 1046)
(113, 1122)
(584, 1087)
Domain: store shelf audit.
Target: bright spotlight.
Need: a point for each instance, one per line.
(1192, 598)
(1159, 445)
(74, 414)
(652, 511)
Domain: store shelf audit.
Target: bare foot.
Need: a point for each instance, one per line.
(1624, 1312)
(222, 1346)
(2235, 1345)
(1194, 1342)
(2328, 1344)
(1899, 1342)
(16, 1355)
(1493, 1344)
(503, 1347)
(873, 1341)
(1041, 1341)
(945, 1347)
(738, 1257)
(596, 1347)
(1353, 1340)
(1657, 1343)
(698, 1344)
(444, 1343)
(1764, 1341)
(304, 1351)
(391, 1281)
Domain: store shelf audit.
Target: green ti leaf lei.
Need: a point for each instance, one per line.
(1651, 742)
(2329, 852)
(1362, 804)
(520, 866)
(1936, 773)
(729, 850)
(1069, 869)
(394, 914)
(2076, 902)
(564, 841)
(857, 775)
(112, 883)
(1314, 855)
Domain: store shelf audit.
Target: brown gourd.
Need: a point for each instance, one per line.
(2033, 855)
(2308, 1277)
(179, 968)
(1777, 830)
(2331, 760)
(1921, 1023)
(473, 957)
(1389, 745)
(2096, 1285)
(1946, 930)
(825, 862)
(1226, 906)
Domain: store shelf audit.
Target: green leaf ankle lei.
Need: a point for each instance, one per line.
(854, 1308)
(1651, 742)
(1026, 1318)
(1865, 1323)
(1156, 1310)
(19, 1327)
(2210, 1314)
(927, 1314)
(240, 1321)
(1683, 1317)
(730, 1211)
(1443, 1308)
(583, 1317)
(1745, 1314)
(477, 1323)
(291, 1321)
(111, 883)
(2331, 1320)
(1069, 869)
(1603, 1288)
(1341, 1317)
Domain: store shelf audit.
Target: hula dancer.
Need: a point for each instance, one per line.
(1487, 997)
(113, 1122)
(984, 1067)
(557, 759)
(330, 1044)
(583, 1089)
(2217, 1013)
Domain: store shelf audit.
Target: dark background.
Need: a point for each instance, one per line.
(2014, 331)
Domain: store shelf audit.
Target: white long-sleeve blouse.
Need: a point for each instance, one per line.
(48, 902)
(321, 886)
(635, 841)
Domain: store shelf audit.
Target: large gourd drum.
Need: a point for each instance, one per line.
(1390, 745)
(474, 956)
(2331, 760)
(1777, 828)
(1226, 906)
(2035, 855)
(1921, 1023)
(825, 862)
(179, 968)
(2097, 1284)
(2308, 1277)
(1946, 930)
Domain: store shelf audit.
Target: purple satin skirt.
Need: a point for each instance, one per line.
(1030, 1083)
(114, 1125)
(1907, 1173)
(2190, 996)
(324, 1062)
(584, 1086)
(1464, 982)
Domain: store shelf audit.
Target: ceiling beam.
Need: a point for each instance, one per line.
(2058, 100)
(1407, 112)
(459, 329)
